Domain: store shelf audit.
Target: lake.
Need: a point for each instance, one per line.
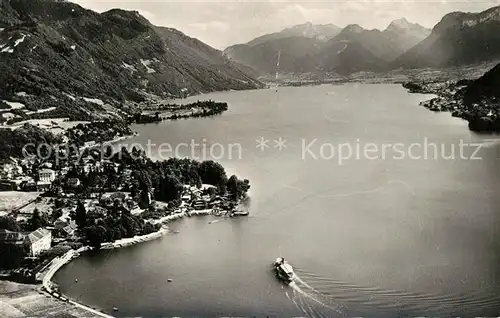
(412, 229)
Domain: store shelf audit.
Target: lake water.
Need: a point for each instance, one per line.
(368, 237)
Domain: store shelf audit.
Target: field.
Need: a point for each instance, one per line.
(14, 199)
(54, 125)
(18, 300)
(43, 206)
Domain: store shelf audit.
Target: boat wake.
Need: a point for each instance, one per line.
(326, 295)
(311, 302)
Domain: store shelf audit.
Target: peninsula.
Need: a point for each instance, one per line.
(475, 100)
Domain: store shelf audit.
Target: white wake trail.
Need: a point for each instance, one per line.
(311, 297)
(297, 278)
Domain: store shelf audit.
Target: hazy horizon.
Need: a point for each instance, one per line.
(224, 23)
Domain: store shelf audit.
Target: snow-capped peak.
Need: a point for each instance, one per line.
(400, 24)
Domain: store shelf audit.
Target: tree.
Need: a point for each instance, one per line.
(12, 255)
(132, 228)
(134, 189)
(145, 199)
(81, 215)
(149, 228)
(57, 214)
(37, 220)
(143, 179)
(170, 189)
(59, 204)
(213, 173)
(9, 223)
(237, 188)
(95, 235)
(108, 152)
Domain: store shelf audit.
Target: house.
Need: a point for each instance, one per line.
(38, 241)
(89, 144)
(29, 186)
(85, 167)
(69, 230)
(46, 165)
(12, 238)
(215, 202)
(65, 227)
(63, 221)
(88, 159)
(73, 182)
(200, 205)
(46, 175)
(43, 186)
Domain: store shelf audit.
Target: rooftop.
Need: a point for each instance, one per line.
(46, 171)
(6, 235)
(37, 235)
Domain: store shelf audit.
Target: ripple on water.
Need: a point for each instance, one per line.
(389, 300)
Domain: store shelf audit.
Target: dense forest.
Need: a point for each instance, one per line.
(13, 141)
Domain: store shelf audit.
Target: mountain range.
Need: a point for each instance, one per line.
(87, 63)
(458, 39)
(307, 30)
(321, 49)
(58, 59)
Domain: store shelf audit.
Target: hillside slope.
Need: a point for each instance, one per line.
(458, 39)
(485, 89)
(56, 54)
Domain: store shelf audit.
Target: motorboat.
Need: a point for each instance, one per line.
(284, 271)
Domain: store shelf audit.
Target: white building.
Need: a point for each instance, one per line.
(38, 241)
(47, 175)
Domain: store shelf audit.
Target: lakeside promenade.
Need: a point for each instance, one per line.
(47, 301)
(59, 262)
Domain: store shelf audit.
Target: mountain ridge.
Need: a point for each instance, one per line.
(460, 38)
(309, 30)
(338, 54)
(56, 53)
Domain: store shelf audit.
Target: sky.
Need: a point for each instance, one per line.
(223, 23)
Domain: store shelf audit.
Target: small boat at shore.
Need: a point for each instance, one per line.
(240, 213)
(283, 270)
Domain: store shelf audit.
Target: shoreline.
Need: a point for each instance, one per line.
(61, 261)
(134, 240)
(482, 117)
(109, 142)
(47, 283)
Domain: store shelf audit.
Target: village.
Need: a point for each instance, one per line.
(82, 201)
